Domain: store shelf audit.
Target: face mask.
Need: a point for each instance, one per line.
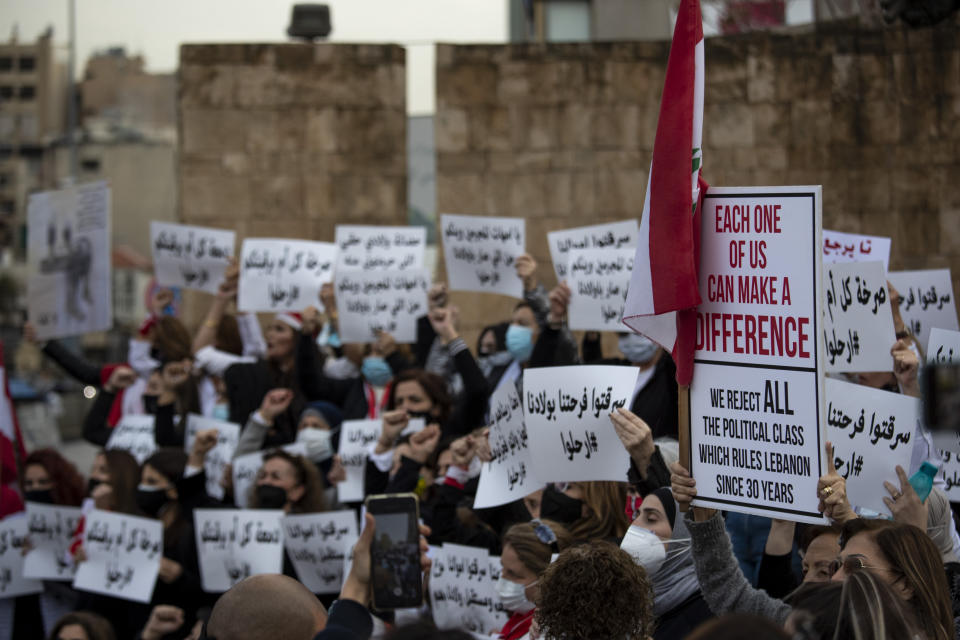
(497, 359)
(151, 499)
(513, 596)
(645, 547)
(426, 415)
(43, 496)
(221, 411)
(318, 443)
(558, 506)
(520, 342)
(149, 404)
(637, 348)
(633, 507)
(92, 484)
(271, 497)
(376, 370)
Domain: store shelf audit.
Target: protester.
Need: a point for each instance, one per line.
(113, 482)
(49, 478)
(739, 626)
(288, 482)
(82, 625)
(591, 510)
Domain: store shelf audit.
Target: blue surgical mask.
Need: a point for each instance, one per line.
(637, 348)
(221, 411)
(376, 371)
(520, 342)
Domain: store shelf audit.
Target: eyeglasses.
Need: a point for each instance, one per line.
(853, 563)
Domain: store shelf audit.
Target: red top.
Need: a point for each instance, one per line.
(517, 626)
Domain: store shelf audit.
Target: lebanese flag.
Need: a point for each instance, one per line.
(11, 447)
(663, 294)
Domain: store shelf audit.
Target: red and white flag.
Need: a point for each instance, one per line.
(663, 295)
(11, 446)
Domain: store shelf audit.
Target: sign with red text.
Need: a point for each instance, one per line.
(756, 399)
(853, 247)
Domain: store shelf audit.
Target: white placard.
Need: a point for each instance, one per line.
(950, 474)
(317, 544)
(233, 544)
(135, 434)
(480, 252)
(370, 302)
(68, 253)
(926, 301)
(943, 347)
(283, 275)
(756, 400)
(872, 432)
(857, 321)
(611, 235)
(854, 247)
(356, 436)
(123, 556)
(598, 280)
(244, 470)
(567, 413)
(13, 536)
(51, 530)
(509, 475)
(217, 459)
(463, 590)
(190, 257)
(369, 248)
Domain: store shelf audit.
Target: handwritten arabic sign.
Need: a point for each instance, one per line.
(283, 275)
(567, 412)
(853, 247)
(317, 544)
(463, 590)
(233, 544)
(613, 235)
(123, 556)
(245, 470)
(190, 257)
(356, 436)
(136, 434)
(755, 400)
(926, 301)
(872, 432)
(950, 474)
(51, 531)
(598, 279)
(391, 301)
(13, 537)
(68, 252)
(858, 323)
(217, 459)
(369, 248)
(943, 347)
(480, 252)
(509, 474)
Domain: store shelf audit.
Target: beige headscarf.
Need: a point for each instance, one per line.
(940, 524)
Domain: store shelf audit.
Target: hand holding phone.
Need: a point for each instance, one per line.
(395, 564)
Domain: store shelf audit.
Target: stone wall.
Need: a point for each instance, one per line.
(563, 134)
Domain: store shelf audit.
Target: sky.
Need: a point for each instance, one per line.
(156, 28)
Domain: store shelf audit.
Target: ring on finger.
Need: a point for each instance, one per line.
(826, 492)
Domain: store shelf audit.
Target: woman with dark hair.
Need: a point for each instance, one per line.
(82, 625)
(590, 510)
(49, 478)
(113, 482)
(288, 482)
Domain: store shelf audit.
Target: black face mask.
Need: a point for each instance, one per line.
(151, 501)
(559, 507)
(150, 404)
(43, 496)
(271, 497)
(92, 484)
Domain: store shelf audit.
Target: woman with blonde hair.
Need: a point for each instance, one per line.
(590, 510)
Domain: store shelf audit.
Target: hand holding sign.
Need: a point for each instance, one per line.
(684, 489)
(636, 436)
(227, 290)
(904, 503)
(906, 366)
(527, 271)
(559, 301)
(832, 490)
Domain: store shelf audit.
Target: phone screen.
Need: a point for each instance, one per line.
(395, 553)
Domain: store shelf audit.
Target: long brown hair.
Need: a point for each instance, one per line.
(96, 627)
(606, 518)
(531, 550)
(914, 559)
(124, 478)
(68, 486)
(307, 475)
(433, 385)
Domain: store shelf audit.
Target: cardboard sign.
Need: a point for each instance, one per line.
(356, 436)
(370, 248)
(245, 470)
(233, 544)
(926, 301)
(950, 474)
(854, 247)
(123, 556)
(13, 538)
(605, 237)
(51, 531)
(190, 257)
(283, 275)
(317, 544)
(68, 253)
(872, 432)
(136, 434)
(370, 302)
(756, 401)
(567, 413)
(480, 252)
(943, 347)
(509, 475)
(598, 280)
(217, 459)
(463, 590)
(858, 323)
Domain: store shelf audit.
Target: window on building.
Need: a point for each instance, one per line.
(90, 164)
(28, 63)
(6, 63)
(6, 92)
(28, 92)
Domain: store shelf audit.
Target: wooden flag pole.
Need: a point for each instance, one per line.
(683, 429)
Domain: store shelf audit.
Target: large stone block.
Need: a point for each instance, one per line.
(730, 125)
(452, 130)
(207, 198)
(212, 131)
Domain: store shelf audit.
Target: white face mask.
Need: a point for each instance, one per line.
(513, 596)
(645, 547)
(318, 443)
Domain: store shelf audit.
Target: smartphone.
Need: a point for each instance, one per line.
(395, 553)
(941, 397)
